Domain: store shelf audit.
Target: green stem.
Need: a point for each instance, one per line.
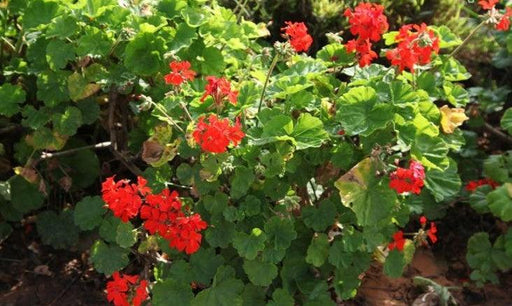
(465, 41)
(272, 66)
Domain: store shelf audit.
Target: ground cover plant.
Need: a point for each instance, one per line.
(209, 167)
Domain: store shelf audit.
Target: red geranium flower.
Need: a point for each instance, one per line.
(123, 198)
(472, 185)
(123, 286)
(398, 241)
(216, 135)
(297, 33)
(431, 233)
(423, 221)
(488, 4)
(363, 49)
(367, 21)
(219, 88)
(416, 44)
(504, 22)
(180, 72)
(162, 214)
(408, 180)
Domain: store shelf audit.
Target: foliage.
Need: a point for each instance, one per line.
(293, 174)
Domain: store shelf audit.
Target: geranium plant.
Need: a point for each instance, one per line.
(252, 174)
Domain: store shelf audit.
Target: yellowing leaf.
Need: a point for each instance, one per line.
(451, 118)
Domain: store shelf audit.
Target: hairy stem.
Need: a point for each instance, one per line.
(272, 66)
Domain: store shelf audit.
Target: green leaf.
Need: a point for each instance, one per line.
(35, 118)
(25, 196)
(396, 92)
(278, 125)
(39, 12)
(335, 54)
(453, 70)
(211, 61)
(171, 8)
(281, 297)
(395, 263)
(90, 111)
(248, 246)
(359, 113)
(241, 182)
(251, 206)
(170, 290)
(144, 54)
(62, 27)
(253, 295)
(456, 94)
(367, 195)
(204, 263)
(346, 282)
(220, 234)
(280, 232)
(309, 132)
(447, 39)
(94, 42)
(498, 168)
(500, 202)
(89, 212)
(59, 231)
(318, 250)
(52, 87)
(184, 37)
(506, 121)
(79, 88)
(108, 228)
(225, 291)
(126, 236)
(58, 53)
(431, 152)
(68, 122)
(478, 199)
(107, 259)
(443, 184)
(216, 205)
(479, 258)
(260, 273)
(194, 17)
(10, 98)
(274, 163)
(319, 218)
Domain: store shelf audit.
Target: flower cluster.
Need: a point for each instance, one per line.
(398, 241)
(215, 135)
(473, 185)
(416, 43)
(408, 180)
(501, 21)
(430, 233)
(123, 198)
(123, 290)
(420, 237)
(162, 213)
(297, 34)
(180, 72)
(219, 88)
(368, 22)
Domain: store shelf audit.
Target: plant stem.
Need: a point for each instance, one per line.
(272, 66)
(466, 40)
(46, 155)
